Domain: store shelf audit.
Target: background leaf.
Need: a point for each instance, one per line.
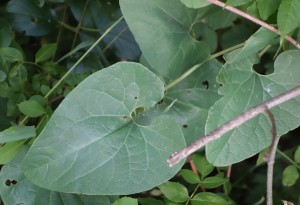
(28, 17)
(9, 150)
(15, 133)
(162, 30)
(243, 88)
(255, 43)
(267, 7)
(288, 17)
(45, 53)
(95, 136)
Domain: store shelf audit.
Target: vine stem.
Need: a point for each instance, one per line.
(253, 19)
(79, 61)
(223, 129)
(271, 157)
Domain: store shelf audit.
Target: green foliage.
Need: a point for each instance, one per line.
(76, 127)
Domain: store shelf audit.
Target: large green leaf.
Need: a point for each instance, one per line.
(94, 144)
(243, 88)
(16, 189)
(162, 30)
(288, 17)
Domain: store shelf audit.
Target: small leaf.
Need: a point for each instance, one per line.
(174, 191)
(31, 108)
(213, 182)
(297, 155)
(208, 198)
(10, 150)
(195, 4)
(126, 201)
(17, 133)
(290, 175)
(6, 33)
(150, 201)
(202, 165)
(10, 54)
(190, 176)
(45, 53)
(288, 17)
(260, 158)
(267, 7)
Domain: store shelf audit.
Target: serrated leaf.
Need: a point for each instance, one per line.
(126, 201)
(202, 165)
(208, 198)
(213, 182)
(290, 175)
(243, 88)
(189, 176)
(297, 155)
(267, 7)
(288, 17)
(174, 191)
(10, 54)
(162, 30)
(255, 43)
(10, 150)
(16, 189)
(195, 4)
(95, 138)
(45, 52)
(31, 108)
(15, 133)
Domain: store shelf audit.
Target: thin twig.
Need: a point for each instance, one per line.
(271, 157)
(217, 133)
(253, 19)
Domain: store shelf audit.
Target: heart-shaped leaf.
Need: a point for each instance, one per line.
(243, 88)
(94, 144)
(162, 30)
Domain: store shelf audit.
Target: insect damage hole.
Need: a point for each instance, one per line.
(206, 83)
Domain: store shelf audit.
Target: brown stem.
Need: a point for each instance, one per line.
(271, 157)
(253, 19)
(217, 133)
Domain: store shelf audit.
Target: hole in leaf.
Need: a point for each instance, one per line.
(265, 66)
(13, 182)
(7, 182)
(185, 126)
(161, 101)
(206, 83)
